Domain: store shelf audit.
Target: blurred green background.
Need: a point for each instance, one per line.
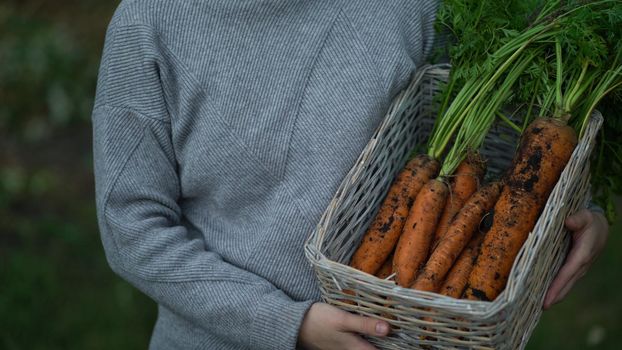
(56, 290)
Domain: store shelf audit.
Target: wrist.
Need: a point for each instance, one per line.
(305, 325)
(277, 321)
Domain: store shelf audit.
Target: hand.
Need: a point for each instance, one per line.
(589, 234)
(327, 327)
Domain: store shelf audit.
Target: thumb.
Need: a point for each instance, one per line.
(364, 325)
(578, 220)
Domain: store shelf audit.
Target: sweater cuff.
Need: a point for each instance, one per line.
(591, 206)
(277, 322)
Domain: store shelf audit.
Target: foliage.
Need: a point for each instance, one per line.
(607, 157)
(56, 289)
(478, 29)
(47, 81)
(574, 50)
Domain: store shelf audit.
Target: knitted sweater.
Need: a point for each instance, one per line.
(221, 130)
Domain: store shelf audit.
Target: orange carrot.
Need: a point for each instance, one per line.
(348, 301)
(414, 243)
(458, 276)
(515, 215)
(545, 148)
(458, 235)
(465, 182)
(386, 228)
(386, 269)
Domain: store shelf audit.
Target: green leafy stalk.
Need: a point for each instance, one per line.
(611, 81)
(474, 107)
(559, 58)
(480, 117)
(509, 122)
(558, 78)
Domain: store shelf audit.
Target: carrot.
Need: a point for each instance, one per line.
(458, 276)
(348, 301)
(458, 235)
(545, 148)
(465, 182)
(384, 232)
(386, 269)
(515, 215)
(414, 243)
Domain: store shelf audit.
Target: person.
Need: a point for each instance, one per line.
(221, 131)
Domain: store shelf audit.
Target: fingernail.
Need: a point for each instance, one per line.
(381, 328)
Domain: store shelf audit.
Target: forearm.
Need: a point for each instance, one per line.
(217, 297)
(147, 244)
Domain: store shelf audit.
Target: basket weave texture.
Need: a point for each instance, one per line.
(422, 320)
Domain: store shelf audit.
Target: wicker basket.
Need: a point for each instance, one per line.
(428, 320)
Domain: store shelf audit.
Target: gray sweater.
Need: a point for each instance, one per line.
(221, 130)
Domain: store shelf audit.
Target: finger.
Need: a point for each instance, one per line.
(601, 231)
(564, 291)
(579, 220)
(578, 258)
(364, 325)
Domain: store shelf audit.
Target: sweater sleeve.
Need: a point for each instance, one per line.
(418, 18)
(141, 222)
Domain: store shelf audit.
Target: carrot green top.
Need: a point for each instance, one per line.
(557, 57)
